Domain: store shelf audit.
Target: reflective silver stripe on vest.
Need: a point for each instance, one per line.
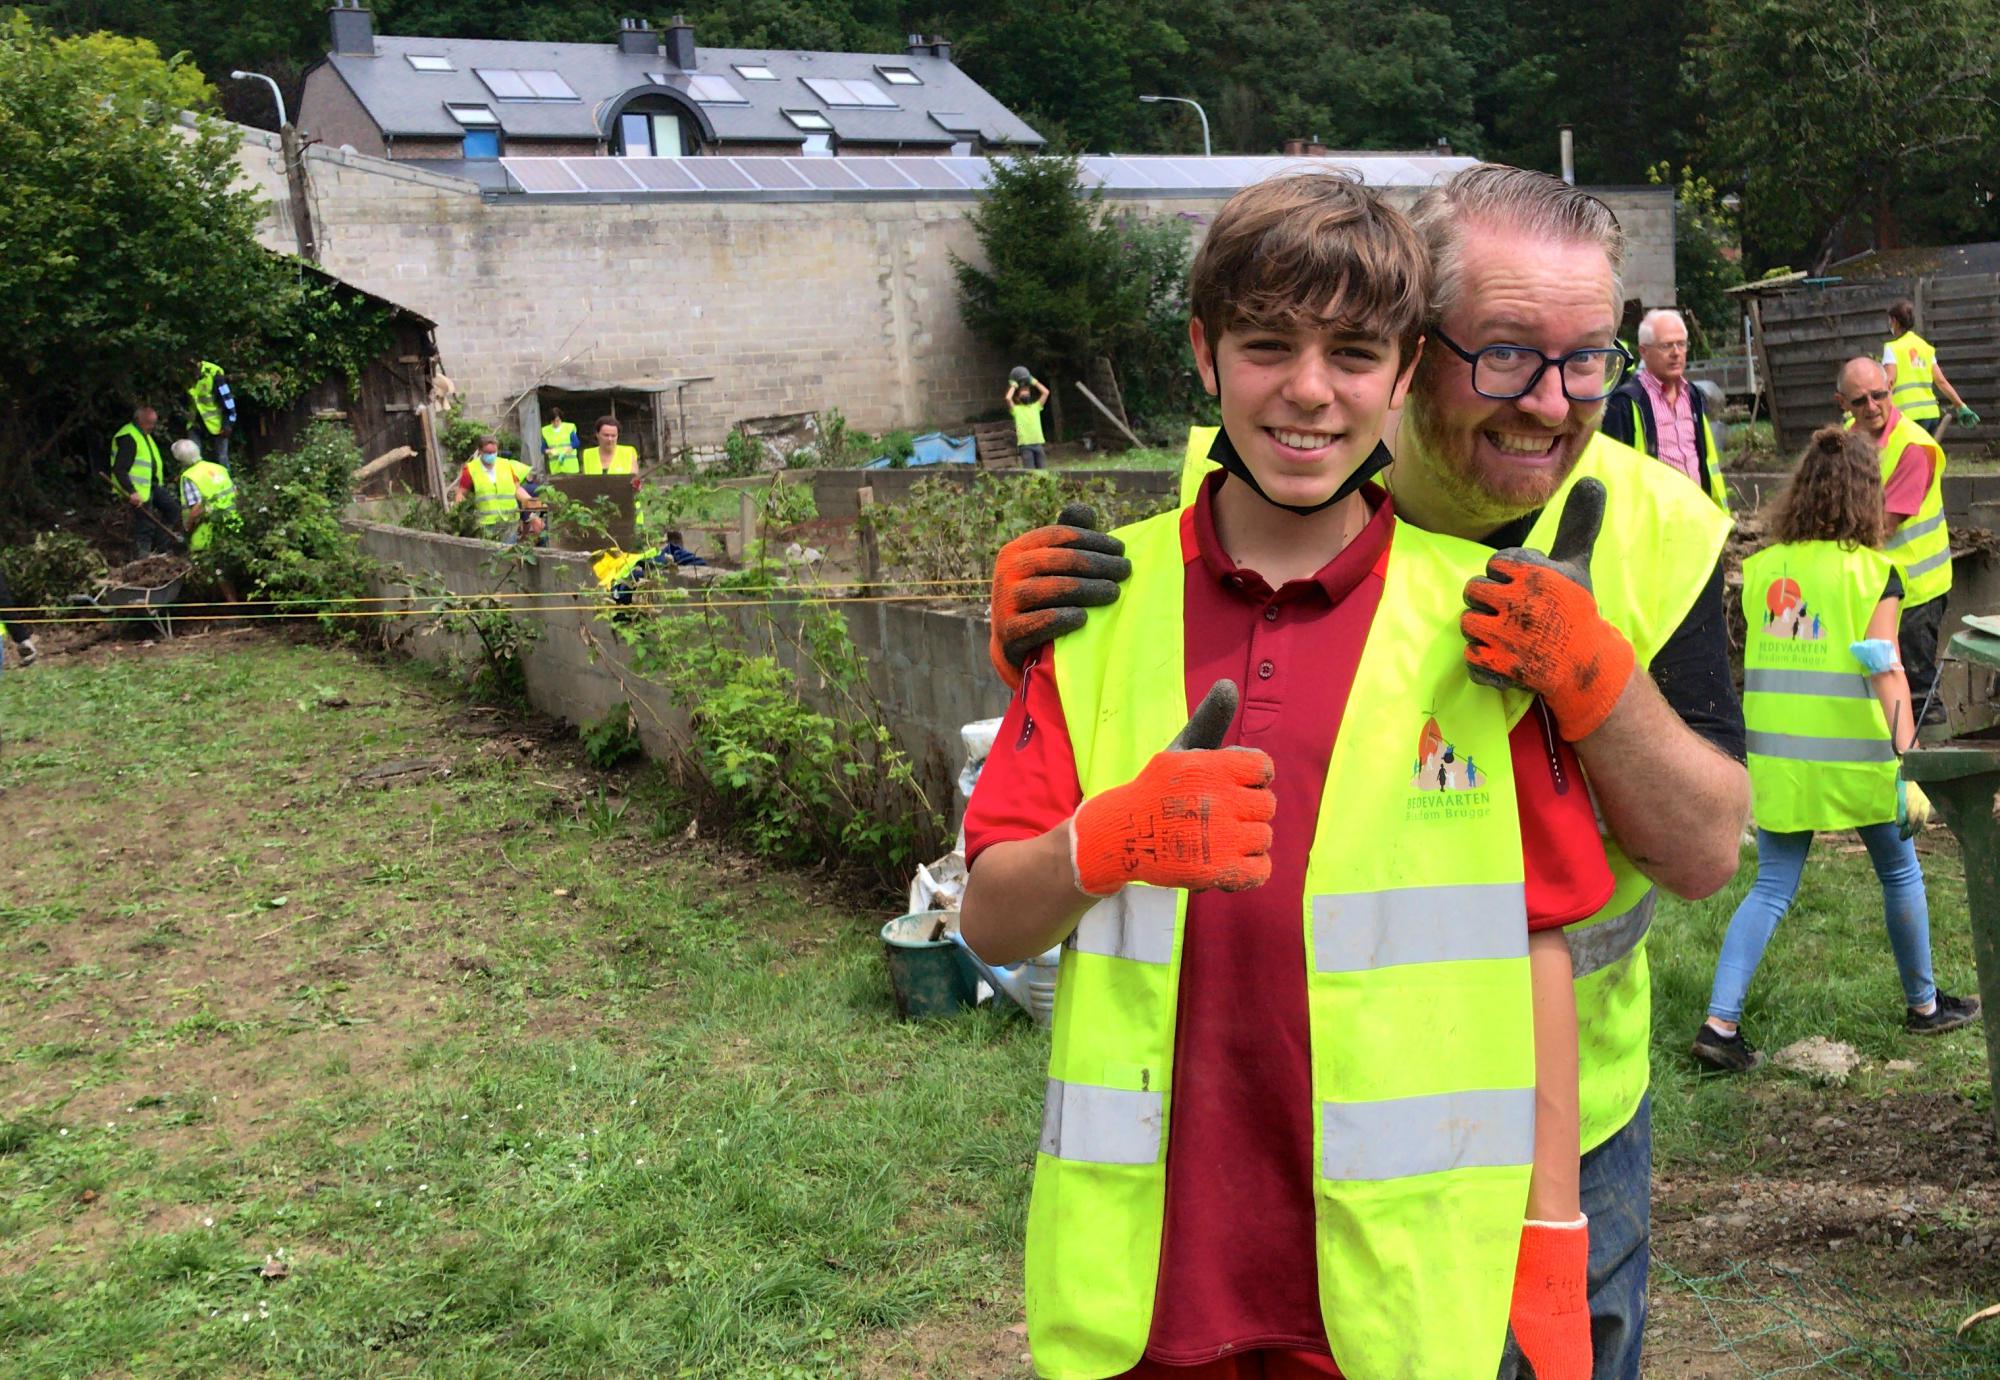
(1847, 685)
(1406, 1136)
(1364, 930)
(1800, 747)
(1101, 1125)
(1928, 564)
(1592, 947)
(1136, 923)
(1905, 535)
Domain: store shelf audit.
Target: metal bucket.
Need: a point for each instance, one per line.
(925, 973)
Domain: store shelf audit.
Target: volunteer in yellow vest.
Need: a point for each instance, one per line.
(1666, 767)
(559, 444)
(141, 475)
(495, 485)
(1915, 377)
(1025, 397)
(1350, 868)
(208, 496)
(1912, 474)
(214, 403)
(1658, 411)
(1828, 711)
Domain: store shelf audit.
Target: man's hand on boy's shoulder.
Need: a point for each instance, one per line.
(1531, 623)
(1044, 580)
(1197, 816)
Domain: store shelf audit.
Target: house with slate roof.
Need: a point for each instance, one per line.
(649, 94)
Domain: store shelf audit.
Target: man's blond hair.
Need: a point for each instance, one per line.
(1494, 196)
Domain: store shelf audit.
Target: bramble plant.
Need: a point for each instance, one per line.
(55, 566)
(288, 543)
(611, 738)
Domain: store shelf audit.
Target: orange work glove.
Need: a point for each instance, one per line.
(1551, 1311)
(1197, 816)
(1045, 579)
(1531, 623)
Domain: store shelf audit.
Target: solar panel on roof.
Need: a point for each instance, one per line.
(718, 175)
(505, 83)
(828, 174)
(878, 173)
(1167, 172)
(1122, 174)
(547, 85)
(540, 174)
(975, 173)
(715, 91)
(773, 174)
(602, 174)
(926, 172)
(662, 174)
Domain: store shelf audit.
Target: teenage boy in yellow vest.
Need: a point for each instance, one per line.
(1915, 377)
(1295, 1069)
(1528, 273)
(1913, 496)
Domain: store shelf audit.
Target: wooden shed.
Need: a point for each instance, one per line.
(390, 407)
(1806, 328)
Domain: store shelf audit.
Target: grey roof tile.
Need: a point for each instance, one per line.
(406, 102)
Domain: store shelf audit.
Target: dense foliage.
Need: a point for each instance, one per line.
(288, 544)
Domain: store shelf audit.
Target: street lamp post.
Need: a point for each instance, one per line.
(1206, 152)
(295, 168)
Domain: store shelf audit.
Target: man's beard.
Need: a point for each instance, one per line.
(1449, 462)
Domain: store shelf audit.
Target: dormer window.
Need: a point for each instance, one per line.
(900, 76)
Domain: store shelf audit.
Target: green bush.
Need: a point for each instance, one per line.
(45, 574)
(449, 519)
(943, 540)
(613, 738)
(288, 543)
(462, 433)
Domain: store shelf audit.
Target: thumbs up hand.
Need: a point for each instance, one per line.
(1197, 816)
(1531, 623)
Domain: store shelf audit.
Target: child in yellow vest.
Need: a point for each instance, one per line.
(1026, 395)
(1312, 1086)
(1828, 712)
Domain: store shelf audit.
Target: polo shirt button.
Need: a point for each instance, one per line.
(1265, 670)
(1271, 614)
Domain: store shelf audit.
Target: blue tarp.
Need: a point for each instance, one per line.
(933, 448)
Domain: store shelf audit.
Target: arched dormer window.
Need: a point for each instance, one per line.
(655, 126)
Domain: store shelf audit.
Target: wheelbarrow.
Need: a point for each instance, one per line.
(153, 603)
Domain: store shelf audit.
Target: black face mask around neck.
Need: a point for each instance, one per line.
(1223, 452)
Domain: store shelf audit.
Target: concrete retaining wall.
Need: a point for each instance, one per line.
(927, 667)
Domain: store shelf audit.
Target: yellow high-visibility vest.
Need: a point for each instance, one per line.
(1915, 395)
(1422, 1043)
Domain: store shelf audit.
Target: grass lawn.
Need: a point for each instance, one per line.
(509, 1077)
(1136, 459)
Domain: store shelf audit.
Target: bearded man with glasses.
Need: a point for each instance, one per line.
(1658, 411)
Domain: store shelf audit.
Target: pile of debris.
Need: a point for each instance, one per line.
(150, 572)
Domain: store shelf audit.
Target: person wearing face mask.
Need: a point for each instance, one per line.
(497, 488)
(1500, 427)
(1315, 999)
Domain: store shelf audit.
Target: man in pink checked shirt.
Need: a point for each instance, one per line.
(1658, 411)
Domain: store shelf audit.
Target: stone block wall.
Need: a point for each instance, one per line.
(787, 306)
(927, 666)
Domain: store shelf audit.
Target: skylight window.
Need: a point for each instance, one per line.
(900, 76)
(955, 122)
(529, 84)
(430, 62)
(473, 116)
(755, 71)
(715, 90)
(809, 120)
(850, 93)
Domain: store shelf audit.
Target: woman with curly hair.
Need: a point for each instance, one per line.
(1828, 713)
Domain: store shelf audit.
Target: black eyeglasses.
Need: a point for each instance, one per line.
(1506, 372)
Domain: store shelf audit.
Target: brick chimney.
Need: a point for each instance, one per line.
(916, 45)
(680, 44)
(352, 29)
(636, 36)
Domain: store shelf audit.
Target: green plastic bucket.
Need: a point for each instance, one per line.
(927, 975)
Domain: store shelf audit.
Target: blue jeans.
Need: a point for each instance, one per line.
(1781, 860)
(1616, 1182)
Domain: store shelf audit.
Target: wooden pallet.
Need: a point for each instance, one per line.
(996, 445)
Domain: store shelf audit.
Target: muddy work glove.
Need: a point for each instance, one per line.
(1197, 816)
(1965, 416)
(1531, 623)
(1043, 582)
(1550, 1315)
(1913, 808)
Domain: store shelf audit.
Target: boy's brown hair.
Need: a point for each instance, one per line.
(1312, 249)
(1835, 494)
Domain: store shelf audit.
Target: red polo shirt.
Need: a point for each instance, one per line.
(1904, 490)
(1238, 1270)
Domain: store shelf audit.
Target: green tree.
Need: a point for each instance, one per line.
(127, 250)
(1058, 288)
(1829, 113)
(1706, 261)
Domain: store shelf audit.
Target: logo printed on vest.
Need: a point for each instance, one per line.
(1445, 783)
(1788, 616)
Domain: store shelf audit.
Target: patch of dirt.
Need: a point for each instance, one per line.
(986, 1345)
(150, 572)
